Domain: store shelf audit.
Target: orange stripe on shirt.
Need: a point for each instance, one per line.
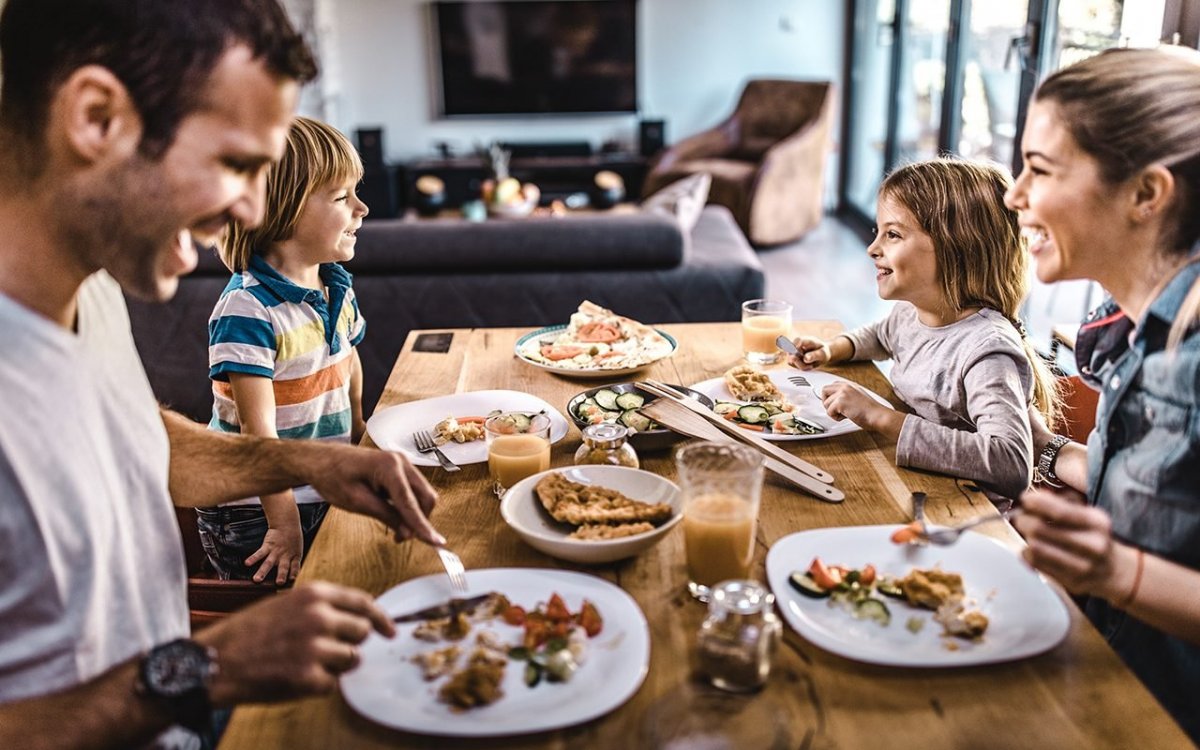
(289, 392)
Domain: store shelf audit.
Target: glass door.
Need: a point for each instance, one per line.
(870, 101)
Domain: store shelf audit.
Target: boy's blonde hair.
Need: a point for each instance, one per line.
(316, 155)
(977, 243)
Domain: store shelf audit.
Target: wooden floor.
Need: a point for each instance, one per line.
(827, 274)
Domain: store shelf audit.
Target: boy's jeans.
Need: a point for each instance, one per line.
(232, 534)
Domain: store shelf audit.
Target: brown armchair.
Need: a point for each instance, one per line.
(767, 159)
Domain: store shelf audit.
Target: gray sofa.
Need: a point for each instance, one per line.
(455, 274)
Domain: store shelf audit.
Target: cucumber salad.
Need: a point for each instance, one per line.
(609, 406)
(771, 417)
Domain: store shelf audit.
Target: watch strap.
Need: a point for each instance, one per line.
(1048, 458)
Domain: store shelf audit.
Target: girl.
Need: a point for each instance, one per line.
(952, 255)
(281, 344)
(1108, 192)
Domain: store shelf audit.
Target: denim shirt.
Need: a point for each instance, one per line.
(1144, 470)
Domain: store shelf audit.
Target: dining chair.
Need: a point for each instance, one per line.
(209, 598)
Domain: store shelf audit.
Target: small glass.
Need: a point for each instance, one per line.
(721, 485)
(738, 639)
(763, 321)
(606, 444)
(518, 446)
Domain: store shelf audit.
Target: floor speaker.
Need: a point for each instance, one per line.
(652, 137)
(370, 146)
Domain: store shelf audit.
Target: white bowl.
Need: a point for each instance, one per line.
(524, 513)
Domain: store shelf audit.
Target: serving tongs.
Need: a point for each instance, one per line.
(682, 414)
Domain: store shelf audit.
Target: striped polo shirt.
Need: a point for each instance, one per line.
(265, 325)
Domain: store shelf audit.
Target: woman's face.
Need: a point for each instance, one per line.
(1072, 217)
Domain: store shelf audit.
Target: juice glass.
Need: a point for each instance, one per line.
(518, 446)
(763, 321)
(721, 485)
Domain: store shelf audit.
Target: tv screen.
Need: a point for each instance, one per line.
(537, 56)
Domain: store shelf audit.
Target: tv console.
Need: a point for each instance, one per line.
(556, 176)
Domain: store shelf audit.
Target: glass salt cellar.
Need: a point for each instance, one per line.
(605, 444)
(738, 638)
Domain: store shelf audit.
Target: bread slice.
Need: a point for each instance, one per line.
(580, 504)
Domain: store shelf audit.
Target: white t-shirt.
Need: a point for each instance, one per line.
(91, 566)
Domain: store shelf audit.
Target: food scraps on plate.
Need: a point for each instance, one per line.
(599, 339)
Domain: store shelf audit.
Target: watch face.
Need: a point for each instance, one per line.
(177, 668)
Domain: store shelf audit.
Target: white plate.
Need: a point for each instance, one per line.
(524, 513)
(392, 428)
(1026, 616)
(806, 402)
(550, 331)
(388, 688)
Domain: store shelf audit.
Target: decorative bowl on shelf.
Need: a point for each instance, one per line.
(509, 198)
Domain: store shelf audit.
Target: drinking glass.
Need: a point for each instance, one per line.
(763, 321)
(721, 485)
(518, 446)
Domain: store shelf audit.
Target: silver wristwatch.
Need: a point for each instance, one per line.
(1048, 458)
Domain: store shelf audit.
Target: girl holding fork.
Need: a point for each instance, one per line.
(282, 341)
(952, 256)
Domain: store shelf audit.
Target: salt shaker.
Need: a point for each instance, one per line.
(738, 638)
(605, 443)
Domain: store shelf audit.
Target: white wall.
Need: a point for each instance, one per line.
(693, 57)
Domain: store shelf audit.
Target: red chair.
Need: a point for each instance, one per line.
(1079, 408)
(209, 598)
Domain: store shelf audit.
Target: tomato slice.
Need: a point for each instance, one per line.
(826, 577)
(556, 609)
(867, 575)
(590, 620)
(907, 534)
(514, 615)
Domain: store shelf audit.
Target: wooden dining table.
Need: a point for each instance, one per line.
(1077, 695)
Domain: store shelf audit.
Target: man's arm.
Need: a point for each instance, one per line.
(288, 646)
(208, 468)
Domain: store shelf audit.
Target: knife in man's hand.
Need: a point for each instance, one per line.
(445, 609)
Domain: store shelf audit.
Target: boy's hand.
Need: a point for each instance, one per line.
(813, 353)
(281, 550)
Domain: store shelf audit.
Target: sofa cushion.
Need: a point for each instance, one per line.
(683, 200)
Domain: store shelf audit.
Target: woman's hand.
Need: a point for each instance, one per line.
(281, 550)
(1072, 542)
(813, 353)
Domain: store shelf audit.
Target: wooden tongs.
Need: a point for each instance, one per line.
(685, 415)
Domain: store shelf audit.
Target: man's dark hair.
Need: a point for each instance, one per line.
(163, 51)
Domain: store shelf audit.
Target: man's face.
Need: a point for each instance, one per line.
(151, 211)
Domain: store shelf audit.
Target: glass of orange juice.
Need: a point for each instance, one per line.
(518, 446)
(763, 321)
(721, 485)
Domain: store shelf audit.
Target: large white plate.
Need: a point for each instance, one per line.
(1026, 616)
(392, 428)
(806, 402)
(551, 331)
(388, 688)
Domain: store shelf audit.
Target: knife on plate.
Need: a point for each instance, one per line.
(445, 609)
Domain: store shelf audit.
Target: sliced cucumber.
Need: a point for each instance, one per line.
(607, 399)
(771, 407)
(873, 609)
(631, 400)
(804, 583)
(634, 421)
(520, 422)
(721, 408)
(888, 587)
(751, 414)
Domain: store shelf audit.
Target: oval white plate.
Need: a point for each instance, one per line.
(806, 402)
(523, 511)
(592, 373)
(1026, 616)
(392, 428)
(388, 687)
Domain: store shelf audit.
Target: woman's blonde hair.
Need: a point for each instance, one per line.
(1130, 109)
(316, 155)
(977, 243)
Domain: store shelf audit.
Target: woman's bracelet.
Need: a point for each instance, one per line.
(1137, 582)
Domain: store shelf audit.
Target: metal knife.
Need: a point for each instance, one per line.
(445, 609)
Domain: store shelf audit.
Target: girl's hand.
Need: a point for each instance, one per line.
(281, 550)
(1072, 542)
(844, 400)
(813, 353)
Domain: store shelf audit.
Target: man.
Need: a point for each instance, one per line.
(130, 129)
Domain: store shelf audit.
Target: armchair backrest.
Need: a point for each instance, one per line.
(770, 110)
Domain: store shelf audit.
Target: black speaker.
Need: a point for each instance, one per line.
(370, 146)
(652, 137)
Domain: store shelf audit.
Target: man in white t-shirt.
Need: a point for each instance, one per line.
(128, 130)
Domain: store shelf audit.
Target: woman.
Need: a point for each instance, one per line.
(1109, 192)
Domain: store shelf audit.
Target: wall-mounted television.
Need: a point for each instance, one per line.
(521, 57)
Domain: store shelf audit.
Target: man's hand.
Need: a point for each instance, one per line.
(292, 644)
(376, 483)
(281, 551)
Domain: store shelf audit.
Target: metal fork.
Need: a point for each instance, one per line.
(802, 381)
(950, 536)
(455, 569)
(424, 442)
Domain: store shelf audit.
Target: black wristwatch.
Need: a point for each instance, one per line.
(1048, 458)
(177, 675)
